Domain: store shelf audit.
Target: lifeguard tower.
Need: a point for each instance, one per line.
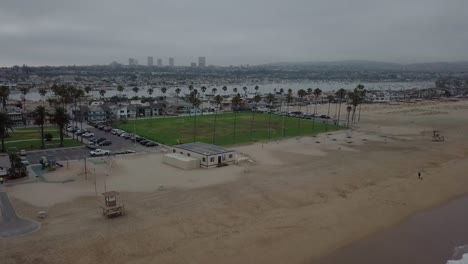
(112, 207)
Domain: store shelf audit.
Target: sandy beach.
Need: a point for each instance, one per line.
(290, 201)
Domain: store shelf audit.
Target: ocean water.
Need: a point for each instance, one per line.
(267, 87)
(460, 255)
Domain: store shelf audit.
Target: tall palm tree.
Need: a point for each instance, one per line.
(24, 91)
(317, 93)
(341, 93)
(330, 99)
(234, 90)
(257, 99)
(301, 93)
(214, 91)
(150, 92)
(120, 89)
(190, 87)
(224, 89)
(136, 90)
(236, 101)
(177, 91)
(362, 96)
(164, 90)
(270, 98)
(61, 118)
(5, 125)
(40, 114)
(102, 93)
(42, 93)
(256, 88)
(4, 94)
(195, 101)
(245, 89)
(281, 91)
(218, 100)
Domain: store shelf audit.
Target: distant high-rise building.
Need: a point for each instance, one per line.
(193, 64)
(160, 62)
(132, 61)
(150, 61)
(201, 61)
(171, 62)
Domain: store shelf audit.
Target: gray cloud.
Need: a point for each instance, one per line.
(61, 32)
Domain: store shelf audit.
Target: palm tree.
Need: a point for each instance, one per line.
(281, 91)
(309, 93)
(5, 125)
(362, 97)
(150, 92)
(214, 91)
(234, 90)
(135, 90)
(317, 93)
(357, 97)
(224, 89)
(4, 94)
(289, 99)
(40, 114)
(270, 98)
(341, 93)
(236, 101)
(195, 101)
(256, 89)
(257, 99)
(24, 91)
(177, 91)
(349, 108)
(190, 87)
(88, 89)
(330, 99)
(102, 93)
(61, 118)
(164, 90)
(218, 100)
(43, 92)
(245, 89)
(301, 93)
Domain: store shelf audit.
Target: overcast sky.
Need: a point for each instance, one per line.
(83, 32)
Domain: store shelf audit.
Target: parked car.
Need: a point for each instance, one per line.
(100, 126)
(91, 146)
(151, 144)
(114, 131)
(99, 152)
(24, 161)
(128, 136)
(88, 134)
(138, 139)
(123, 134)
(99, 140)
(143, 142)
(120, 132)
(105, 143)
(22, 152)
(107, 128)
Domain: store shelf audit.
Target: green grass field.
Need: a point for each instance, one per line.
(30, 139)
(169, 130)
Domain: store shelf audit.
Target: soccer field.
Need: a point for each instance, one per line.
(230, 128)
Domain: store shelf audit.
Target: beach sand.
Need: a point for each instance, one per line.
(299, 200)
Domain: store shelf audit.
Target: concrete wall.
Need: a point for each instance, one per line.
(181, 162)
(207, 161)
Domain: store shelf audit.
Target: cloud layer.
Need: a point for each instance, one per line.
(62, 32)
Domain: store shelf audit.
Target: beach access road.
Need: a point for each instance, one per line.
(11, 224)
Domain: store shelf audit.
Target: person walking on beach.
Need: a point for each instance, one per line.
(419, 176)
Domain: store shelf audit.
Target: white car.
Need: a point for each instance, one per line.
(99, 152)
(88, 134)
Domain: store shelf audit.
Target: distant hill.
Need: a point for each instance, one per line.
(362, 65)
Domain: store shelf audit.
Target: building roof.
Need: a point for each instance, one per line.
(203, 148)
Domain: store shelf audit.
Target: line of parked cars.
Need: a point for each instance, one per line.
(301, 115)
(120, 133)
(80, 132)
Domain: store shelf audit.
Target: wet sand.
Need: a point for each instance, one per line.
(428, 237)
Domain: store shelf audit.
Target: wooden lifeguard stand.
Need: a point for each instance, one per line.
(112, 207)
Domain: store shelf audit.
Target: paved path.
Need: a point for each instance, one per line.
(11, 224)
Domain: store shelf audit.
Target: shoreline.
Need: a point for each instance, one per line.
(430, 237)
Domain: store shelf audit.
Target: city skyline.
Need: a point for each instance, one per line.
(53, 32)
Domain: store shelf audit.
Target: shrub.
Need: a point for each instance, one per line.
(48, 137)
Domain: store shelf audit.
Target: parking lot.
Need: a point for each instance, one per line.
(63, 154)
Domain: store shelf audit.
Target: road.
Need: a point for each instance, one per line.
(11, 224)
(77, 153)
